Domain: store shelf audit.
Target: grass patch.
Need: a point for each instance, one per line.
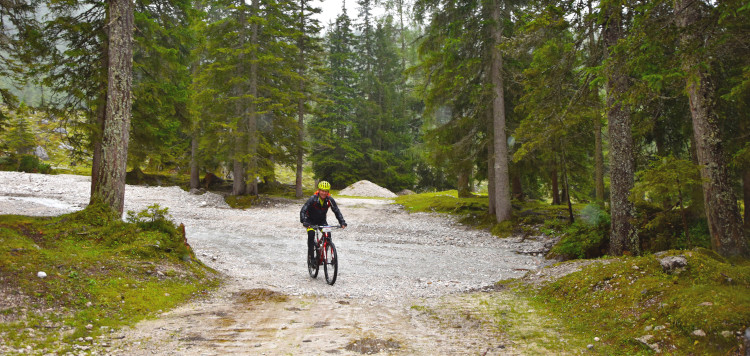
(473, 211)
(628, 298)
(101, 274)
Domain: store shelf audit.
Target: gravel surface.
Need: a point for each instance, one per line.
(386, 255)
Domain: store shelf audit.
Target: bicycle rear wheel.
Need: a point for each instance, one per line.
(312, 266)
(331, 262)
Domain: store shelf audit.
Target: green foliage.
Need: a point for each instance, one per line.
(618, 299)
(24, 163)
(32, 164)
(100, 271)
(19, 138)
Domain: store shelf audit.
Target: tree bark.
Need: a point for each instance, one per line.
(598, 147)
(598, 161)
(623, 237)
(746, 195)
(252, 125)
(491, 209)
(463, 184)
(301, 102)
(240, 143)
(502, 177)
(110, 187)
(516, 186)
(96, 162)
(724, 221)
(555, 185)
(195, 179)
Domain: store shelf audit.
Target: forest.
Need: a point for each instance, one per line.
(635, 110)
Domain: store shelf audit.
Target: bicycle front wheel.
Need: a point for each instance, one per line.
(331, 263)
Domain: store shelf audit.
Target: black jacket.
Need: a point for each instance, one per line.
(313, 213)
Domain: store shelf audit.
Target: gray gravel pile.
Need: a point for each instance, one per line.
(385, 255)
(365, 188)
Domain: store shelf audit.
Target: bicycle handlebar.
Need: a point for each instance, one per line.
(318, 227)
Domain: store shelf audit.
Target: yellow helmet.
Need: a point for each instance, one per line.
(323, 185)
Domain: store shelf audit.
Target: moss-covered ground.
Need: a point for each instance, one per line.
(629, 305)
(101, 274)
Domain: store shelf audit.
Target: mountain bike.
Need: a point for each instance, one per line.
(325, 254)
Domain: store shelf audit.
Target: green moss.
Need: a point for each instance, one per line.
(623, 299)
(100, 271)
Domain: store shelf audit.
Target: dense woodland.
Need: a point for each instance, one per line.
(637, 108)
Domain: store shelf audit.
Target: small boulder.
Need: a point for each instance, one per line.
(40, 152)
(673, 264)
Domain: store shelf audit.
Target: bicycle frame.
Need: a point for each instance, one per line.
(324, 246)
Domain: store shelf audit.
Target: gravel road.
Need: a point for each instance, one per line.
(386, 256)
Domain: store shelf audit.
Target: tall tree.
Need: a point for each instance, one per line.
(110, 187)
(309, 51)
(332, 131)
(723, 215)
(624, 236)
(500, 141)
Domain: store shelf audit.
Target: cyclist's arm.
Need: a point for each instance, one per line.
(337, 212)
(303, 211)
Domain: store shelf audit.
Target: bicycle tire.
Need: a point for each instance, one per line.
(312, 267)
(331, 262)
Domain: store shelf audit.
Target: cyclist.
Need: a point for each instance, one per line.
(314, 213)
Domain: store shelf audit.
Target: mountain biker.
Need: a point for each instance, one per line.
(314, 213)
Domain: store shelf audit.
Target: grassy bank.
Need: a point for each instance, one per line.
(610, 306)
(69, 280)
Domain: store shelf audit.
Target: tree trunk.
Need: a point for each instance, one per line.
(96, 162)
(502, 177)
(240, 144)
(746, 195)
(300, 102)
(555, 185)
(195, 179)
(110, 187)
(463, 184)
(517, 187)
(724, 221)
(252, 125)
(623, 237)
(598, 147)
(599, 161)
(491, 209)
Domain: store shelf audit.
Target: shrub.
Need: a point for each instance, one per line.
(588, 237)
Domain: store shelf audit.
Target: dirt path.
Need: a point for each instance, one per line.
(396, 271)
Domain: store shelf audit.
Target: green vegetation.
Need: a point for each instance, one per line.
(101, 274)
(622, 299)
(617, 299)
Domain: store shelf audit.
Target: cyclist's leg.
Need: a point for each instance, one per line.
(310, 242)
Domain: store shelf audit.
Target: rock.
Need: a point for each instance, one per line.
(597, 338)
(645, 339)
(726, 334)
(89, 327)
(41, 274)
(40, 152)
(673, 264)
(590, 346)
(699, 333)
(746, 341)
(405, 192)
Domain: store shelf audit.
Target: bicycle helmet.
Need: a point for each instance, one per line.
(323, 185)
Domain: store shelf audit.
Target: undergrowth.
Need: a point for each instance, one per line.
(101, 274)
(625, 299)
